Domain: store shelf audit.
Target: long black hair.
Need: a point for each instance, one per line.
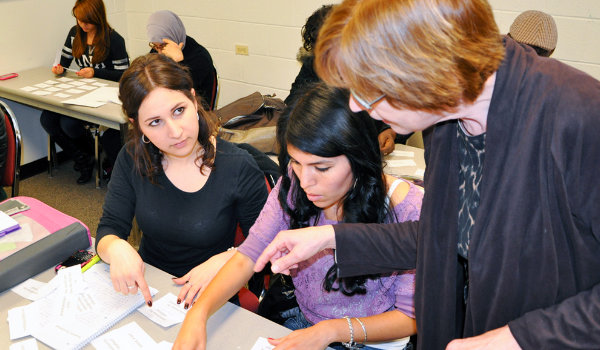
(321, 123)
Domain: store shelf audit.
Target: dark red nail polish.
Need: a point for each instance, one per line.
(186, 306)
(178, 301)
(149, 303)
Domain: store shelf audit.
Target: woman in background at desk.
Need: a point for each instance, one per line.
(187, 189)
(99, 51)
(334, 175)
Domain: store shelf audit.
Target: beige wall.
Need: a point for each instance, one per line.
(33, 30)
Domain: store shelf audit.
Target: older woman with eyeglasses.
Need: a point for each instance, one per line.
(507, 248)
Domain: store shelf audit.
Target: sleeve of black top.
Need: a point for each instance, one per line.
(66, 62)
(119, 203)
(117, 54)
(363, 249)
(252, 193)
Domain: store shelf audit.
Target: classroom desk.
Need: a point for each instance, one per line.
(109, 115)
(231, 327)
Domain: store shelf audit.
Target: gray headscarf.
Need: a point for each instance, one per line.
(165, 25)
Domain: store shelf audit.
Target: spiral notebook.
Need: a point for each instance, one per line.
(71, 319)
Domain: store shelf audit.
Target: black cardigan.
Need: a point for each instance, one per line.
(534, 257)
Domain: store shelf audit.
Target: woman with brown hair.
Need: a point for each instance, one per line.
(507, 247)
(187, 189)
(99, 51)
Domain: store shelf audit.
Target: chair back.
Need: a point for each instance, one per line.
(12, 167)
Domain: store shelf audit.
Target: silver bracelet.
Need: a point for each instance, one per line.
(351, 344)
(231, 248)
(364, 330)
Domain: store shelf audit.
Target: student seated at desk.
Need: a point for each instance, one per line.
(187, 189)
(334, 175)
(99, 51)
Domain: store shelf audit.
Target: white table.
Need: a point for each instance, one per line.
(109, 115)
(231, 327)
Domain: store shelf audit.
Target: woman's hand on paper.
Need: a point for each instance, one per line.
(127, 270)
(195, 281)
(315, 337)
(87, 72)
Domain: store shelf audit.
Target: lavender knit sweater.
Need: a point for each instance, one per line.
(389, 292)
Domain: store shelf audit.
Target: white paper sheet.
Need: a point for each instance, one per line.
(165, 311)
(74, 91)
(52, 89)
(131, 337)
(29, 344)
(41, 93)
(262, 344)
(30, 289)
(64, 79)
(82, 101)
(17, 323)
(396, 163)
(62, 321)
(28, 88)
(105, 94)
(399, 153)
(62, 95)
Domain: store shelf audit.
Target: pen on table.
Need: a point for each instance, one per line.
(93, 261)
(70, 69)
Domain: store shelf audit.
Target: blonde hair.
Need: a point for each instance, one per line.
(427, 55)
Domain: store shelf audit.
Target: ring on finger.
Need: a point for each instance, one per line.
(130, 287)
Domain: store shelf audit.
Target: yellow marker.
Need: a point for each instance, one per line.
(92, 261)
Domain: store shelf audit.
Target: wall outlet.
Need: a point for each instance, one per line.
(241, 50)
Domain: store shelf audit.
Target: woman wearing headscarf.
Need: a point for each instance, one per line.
(167, 36)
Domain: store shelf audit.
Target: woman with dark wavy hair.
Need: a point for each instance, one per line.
(334, 174)
(187, 189)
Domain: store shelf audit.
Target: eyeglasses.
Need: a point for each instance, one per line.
(364, 104)
(156, 46)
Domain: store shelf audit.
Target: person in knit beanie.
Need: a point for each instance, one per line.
(536, 29)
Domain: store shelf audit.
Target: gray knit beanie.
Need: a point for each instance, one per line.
(535, 28)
